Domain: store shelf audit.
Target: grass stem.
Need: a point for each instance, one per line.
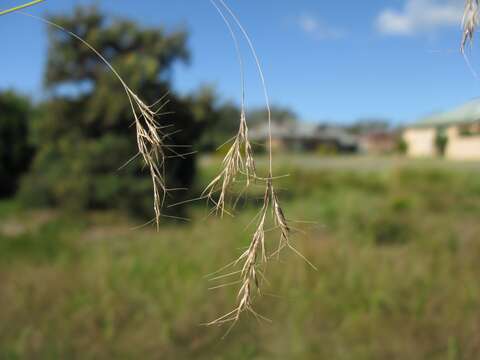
(19, 7)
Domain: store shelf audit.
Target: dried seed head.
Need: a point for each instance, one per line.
(150, 139)
(253, 259)
(151, 146)
(470, 22)
(280, 221)
(239, 160)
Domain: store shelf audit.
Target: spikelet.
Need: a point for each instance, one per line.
(254, 259)
(150, 136)
(470, 22)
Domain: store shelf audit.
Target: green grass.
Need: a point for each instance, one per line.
(396, 246)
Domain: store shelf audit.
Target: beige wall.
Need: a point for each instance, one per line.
(420, 142)
(462, 147)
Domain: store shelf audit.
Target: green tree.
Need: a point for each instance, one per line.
(84, 135)
(15, 150)
(280, 115)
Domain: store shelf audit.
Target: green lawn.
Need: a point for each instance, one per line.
(396, 244)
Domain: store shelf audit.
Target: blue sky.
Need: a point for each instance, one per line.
(327, 60)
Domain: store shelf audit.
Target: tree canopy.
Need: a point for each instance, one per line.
(280, 115)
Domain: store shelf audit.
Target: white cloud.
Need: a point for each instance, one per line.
(420, 16)
(318, 29)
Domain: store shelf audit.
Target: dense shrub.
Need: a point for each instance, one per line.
(15, 151)
(441, 143)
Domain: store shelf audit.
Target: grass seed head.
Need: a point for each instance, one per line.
(150, 136)
(253, 261)
(470, 22)
(239, 160)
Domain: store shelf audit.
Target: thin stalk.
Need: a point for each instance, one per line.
(238, 51)
(19, 7)
(262, 78)
(100, 56)
(239, 158)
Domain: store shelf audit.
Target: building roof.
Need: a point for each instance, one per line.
(303, 131)
(261, 131)
(466, 113)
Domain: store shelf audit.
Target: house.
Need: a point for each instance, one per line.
(454, 134)
(378, 142)
(304, 136)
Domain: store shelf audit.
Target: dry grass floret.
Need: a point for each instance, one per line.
(239, 160)
(150, 135)
(470, 22)
(255, 258)
(151, 145)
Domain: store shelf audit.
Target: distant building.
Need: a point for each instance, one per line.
(455, 134)
(378, 142)
(304, 136)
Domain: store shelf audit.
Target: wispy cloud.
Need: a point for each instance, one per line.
(419, 16)
(318, 28)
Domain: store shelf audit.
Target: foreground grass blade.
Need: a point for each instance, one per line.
(31, 3)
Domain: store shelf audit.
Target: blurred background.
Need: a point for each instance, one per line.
(375, 122)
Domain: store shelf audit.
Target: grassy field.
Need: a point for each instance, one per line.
(396, 244)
